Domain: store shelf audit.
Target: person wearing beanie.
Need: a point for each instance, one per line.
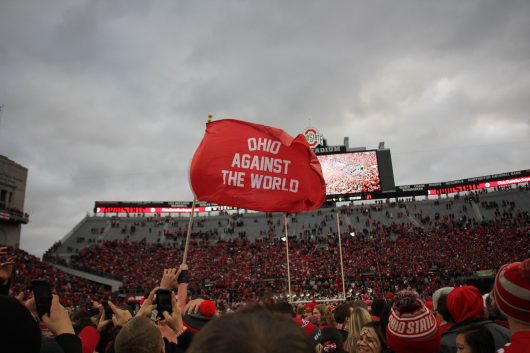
(439, 303)
(511, 295)
(466, 307)
(412, 328)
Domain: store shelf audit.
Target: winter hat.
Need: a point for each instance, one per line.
(18, 328)
(378, 306)
(195, 321)
(309, 329)
(411, 326)
(429, 304)
(89, 339)
(438, 293)
(465, 303)
(310, 306)
(512, 291)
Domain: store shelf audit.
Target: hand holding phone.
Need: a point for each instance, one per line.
(163, 302)
(42, 293)
(107, 310)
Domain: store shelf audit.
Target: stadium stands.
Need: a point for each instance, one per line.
(423, 244)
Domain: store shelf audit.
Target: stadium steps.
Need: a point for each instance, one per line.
(114, 284)
(478, 214)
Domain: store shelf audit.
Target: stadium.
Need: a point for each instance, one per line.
(368, 242)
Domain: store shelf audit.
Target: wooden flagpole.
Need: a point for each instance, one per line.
(340, 252)
(287, 250)
(190, 223)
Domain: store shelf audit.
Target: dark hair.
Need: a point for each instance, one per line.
(251, 330)
(342, 312)
(442, 308)
(283, 308)
(478, 338)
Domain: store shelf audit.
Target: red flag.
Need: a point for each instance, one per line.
(256, 167)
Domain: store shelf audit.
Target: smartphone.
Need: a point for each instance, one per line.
(184, 277)
(42, 292)
(163, 302)
(108, 310)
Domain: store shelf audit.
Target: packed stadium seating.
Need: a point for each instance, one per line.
(423, 244)
(74, 289)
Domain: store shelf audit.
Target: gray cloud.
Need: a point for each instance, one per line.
(107, 100)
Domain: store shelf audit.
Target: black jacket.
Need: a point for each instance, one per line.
(501, 335)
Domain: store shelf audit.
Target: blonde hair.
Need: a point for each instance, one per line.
(358, 318)
(326, 316)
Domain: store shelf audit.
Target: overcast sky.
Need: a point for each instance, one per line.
(107, 100)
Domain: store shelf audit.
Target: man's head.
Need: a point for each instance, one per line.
(254, 330)
(411, 326)
(465, 303)
(18, 329)
(139, 335)
(512, 292)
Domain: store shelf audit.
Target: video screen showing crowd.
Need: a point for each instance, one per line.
(350, 173)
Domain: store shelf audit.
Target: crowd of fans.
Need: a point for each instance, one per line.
(76, 291)
(385, 258)
(456, 319)
(404, 284)
(341, 178)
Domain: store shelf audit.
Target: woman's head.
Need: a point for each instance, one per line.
(359, 317)
(474, 339)
(371, 339)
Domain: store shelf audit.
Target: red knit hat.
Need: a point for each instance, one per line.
(411, 326)
(512, 291)
(465, 303)
(194, 322)
(310, 306)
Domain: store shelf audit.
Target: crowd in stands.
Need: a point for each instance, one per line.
(456, 319)
(341, 178)
(75, 290)
(384, 258)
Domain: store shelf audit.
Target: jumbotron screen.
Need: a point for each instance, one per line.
(350, 173)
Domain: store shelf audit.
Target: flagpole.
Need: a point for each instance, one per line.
(287, 250)
(340, 252)
(190, 223)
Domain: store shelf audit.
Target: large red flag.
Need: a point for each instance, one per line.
(256, 167)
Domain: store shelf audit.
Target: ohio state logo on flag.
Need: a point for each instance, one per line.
(256, 167)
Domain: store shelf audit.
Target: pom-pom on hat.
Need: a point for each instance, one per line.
(465, 303)
(512, 291)
(411, 326)
(195, 321)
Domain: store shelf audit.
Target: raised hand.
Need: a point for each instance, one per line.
(173, 320)
(148, 306)
(169, 278)
(58, 321)
(120, 317)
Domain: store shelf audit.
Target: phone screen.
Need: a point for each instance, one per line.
(163, 301)
(43, 296)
